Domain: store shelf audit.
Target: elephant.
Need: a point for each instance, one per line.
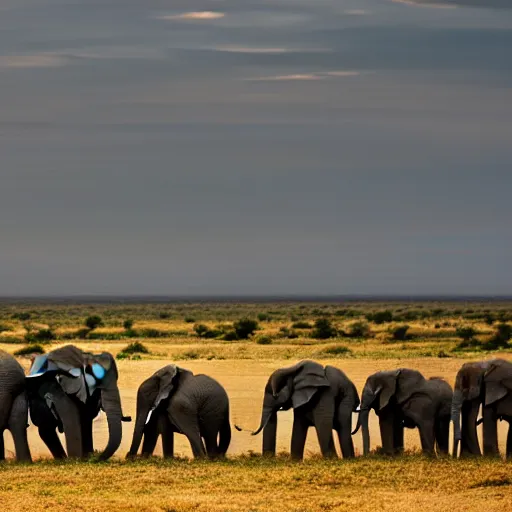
(172, 400)
(323, 397)
(67, 388)
(404, 398)
(487, 384)
(13, 406)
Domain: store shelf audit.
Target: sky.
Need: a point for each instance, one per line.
(255, 147)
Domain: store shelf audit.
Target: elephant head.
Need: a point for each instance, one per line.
(385, 389)
(483, 382)
(288, 387)
(152, 392)
(68, 379)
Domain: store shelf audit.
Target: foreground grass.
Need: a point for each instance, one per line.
(259, 484)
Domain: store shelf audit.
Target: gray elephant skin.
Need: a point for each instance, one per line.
(67, 388)
(13, 406)
(321, 397)
(175, 400)
(487, 384)
(404, 398)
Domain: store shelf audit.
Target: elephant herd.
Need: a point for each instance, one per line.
(66, 389)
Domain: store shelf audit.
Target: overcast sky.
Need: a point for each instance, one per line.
(255, 147)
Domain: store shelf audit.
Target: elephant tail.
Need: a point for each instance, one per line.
(224, 436)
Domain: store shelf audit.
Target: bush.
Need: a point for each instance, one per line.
(323, 329)
(189, 320)
(359, 330)
(164, 315)
(21, 316)
(4, 327)
(500, 339)
(41, 336)
(29, 349)
(337, 350)
(262, 317)
(380, 317)
(128, 324)
(465, 333)
(244, 328)
(302, 325)
(204, 332)
(284, 332)
(489, 319)
(135, 348)
(504, 332)
(264, 340)
(230, 336)
(82, 333)
(93, 322)
(400, 333)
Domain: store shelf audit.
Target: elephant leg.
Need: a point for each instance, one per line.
(509, 442)
(2, 447)
(211, 443)
(167, 433)
(427, 437)
(18, 427)
(52, 441)
(270, 435)
(490, 433)
(187, 424)
(442, 433)
(299, 434)
(151, 433)
(398, 435)
(345, 432)
(387, 436)
(87, 440)
(323, 418)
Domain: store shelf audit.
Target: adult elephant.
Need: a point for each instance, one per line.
(67, 388)
(13, 406)
(404, 398)
(323, 397)
(487, 384)
(175, 400)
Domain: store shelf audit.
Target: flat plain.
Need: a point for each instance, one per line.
(435, 344)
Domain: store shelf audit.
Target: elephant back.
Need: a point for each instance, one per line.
(442, 393)
(12, 376)
(206, 392)
(341, 385)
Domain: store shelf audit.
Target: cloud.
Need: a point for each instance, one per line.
(357, 12)
(451, 4)
(194, 15)
(266, 50)
(32, 61)
(304, 76)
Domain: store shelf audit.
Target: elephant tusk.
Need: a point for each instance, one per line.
(358, 408)
(149, 416)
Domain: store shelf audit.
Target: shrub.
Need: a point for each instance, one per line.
(82, 333)
(262, 317)
(93, 322)
(41, 336)
(190, 354)
(21, 316)
(471, 344)
(359, 330)
(284, 332)
(264, 340)
(465, 333)
(230, 336)
(400, 333)
(302, 325)
(135, 348)
(500, 338)
(204, 332)
(504, 332)
(336, 350)
(442, 354)
(29, 349)
(189, 320)
(164, 315)
(244, 328)
(489, 319)
(380, 317)
(128, 324)
(323, 329)
(4, 327)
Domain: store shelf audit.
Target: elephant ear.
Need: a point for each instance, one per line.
(388, 384)
(498, 383)
(307, 381)
(67, 358)
(408, 382)
(166, 377)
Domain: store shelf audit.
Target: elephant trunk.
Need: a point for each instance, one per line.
(358, 424)
(266, 415)
(363, 419)
(140, 423)
(111, 403)
(455, 417)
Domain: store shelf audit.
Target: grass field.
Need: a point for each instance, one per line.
(246, 481)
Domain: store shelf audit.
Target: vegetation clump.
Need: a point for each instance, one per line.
(244, 328)
(93, 322)
(128, 324)
(323, 329)
(134, 348)
(400, 333)
(40, 336)
(264, 340)
(30, 349)
(359, 330)
(302, 325)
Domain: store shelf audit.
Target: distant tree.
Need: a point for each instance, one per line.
(323, 329)
(93, 322)
(128, 324)
(244, 328)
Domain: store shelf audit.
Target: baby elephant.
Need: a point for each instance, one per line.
(13, 406)
(175, 400)
(404, 398)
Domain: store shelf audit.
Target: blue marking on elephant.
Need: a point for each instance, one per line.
(91, 383)
(39, 366)
(75, 372)
(98, 371)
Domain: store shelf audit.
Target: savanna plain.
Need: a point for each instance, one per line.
(240, 344)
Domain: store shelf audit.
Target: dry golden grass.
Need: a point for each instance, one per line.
(256, 484)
